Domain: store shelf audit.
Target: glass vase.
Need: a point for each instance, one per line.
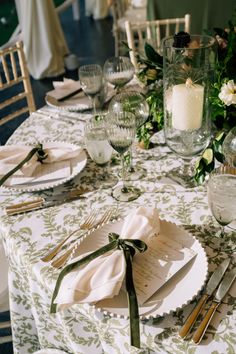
(188, 73)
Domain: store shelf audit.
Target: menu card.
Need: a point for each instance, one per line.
(158, 264)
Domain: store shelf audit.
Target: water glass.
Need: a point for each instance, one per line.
(96, 141)
(221, 192)
(99, 149)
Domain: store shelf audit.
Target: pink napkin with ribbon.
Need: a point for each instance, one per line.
(102, 277)
(58, 154)
(64, 88)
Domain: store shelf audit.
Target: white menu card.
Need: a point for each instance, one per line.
(158, 264)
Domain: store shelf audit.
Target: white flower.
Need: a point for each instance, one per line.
(228, 93)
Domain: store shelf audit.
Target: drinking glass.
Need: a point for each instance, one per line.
(91, 81)
(135, 102)
(221, 192)
(188, 73)
(98, 147)
(118, 71)
(229, 147)
(121, 128)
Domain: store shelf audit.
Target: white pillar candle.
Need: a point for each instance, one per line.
(187, 106)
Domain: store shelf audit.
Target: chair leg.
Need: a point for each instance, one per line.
(5, 339)
(5, 324)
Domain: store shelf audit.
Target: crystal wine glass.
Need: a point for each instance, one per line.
(121, 128)
(135, 102)
(98, 147)
(229, 147)
(187, 76)
(118, 71)
(91, 80)
(221, 192)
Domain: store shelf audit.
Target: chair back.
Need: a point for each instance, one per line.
(14, 73)
(118, 9)
(152, 32)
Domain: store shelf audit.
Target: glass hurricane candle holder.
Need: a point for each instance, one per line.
(188, 73)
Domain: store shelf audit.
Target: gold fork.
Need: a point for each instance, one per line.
(88, 223)
(60, 261)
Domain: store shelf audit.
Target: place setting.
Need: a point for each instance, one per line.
(23, 170)
(169, 259)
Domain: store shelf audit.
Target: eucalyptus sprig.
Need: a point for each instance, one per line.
(206, 162)
(41, 155)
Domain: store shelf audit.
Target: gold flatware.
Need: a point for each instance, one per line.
(220, 294)
(60, 262)
(210, 288)
(88, 223)
(41, 203)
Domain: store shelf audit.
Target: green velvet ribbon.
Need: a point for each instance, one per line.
(129, 247)
(38, 149)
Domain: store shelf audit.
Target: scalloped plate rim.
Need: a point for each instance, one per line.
(170, 311)
(42, 187)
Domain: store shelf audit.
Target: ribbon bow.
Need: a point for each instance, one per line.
(38, 149)
(129, 247)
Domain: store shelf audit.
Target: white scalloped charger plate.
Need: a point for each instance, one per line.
(76, 103)
(77, 165)
(176, 293)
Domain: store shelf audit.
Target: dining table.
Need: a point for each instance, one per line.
(88, 328)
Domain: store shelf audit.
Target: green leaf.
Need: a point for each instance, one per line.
(152, 55)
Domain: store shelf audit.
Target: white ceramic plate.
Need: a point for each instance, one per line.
(78, 102)
(77, 165)
(176, 293)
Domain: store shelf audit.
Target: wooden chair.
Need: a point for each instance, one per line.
(14, 72)
(152, 32)
(121, 12)
(4, 298)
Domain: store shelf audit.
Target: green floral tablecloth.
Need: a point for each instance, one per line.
(82, 329)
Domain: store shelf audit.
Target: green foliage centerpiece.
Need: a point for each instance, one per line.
(222, 96)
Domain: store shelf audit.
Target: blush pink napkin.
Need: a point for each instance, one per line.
(12, 155)
(103, 277)
(64, 88)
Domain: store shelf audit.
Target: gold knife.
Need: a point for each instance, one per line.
(210, 288)
(220, 294)
(41, 203)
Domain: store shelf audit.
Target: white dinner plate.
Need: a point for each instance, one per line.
(77, 165)
(176, 293)
(78, 102)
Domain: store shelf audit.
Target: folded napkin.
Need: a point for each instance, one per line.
(103, 276)
(64, 88)
(12, 155)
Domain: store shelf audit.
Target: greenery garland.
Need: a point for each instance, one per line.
(222, 97)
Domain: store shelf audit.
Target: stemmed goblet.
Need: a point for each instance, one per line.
(118, 71)
(91, 80)
(134, 102)
(229, 147)
(121, 128)
(221, 192)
